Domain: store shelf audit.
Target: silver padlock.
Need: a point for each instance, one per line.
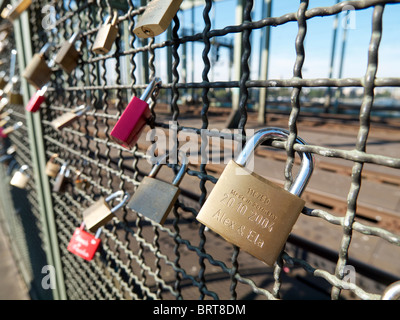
(20, 179)
(98, 214)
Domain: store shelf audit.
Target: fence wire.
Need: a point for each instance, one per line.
(139, 259)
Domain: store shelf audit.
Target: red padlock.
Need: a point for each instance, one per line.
(130, 125)
(37, 99)
(84, 244)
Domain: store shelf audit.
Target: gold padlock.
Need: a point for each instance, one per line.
(100, 213)
(20, 179)
(16, 98)
(67, 56)
(38, 72)
(52, 167)
(4, 121)
(106, 35)
(13, 12)
(69, 117)
(251, 212)
(3, 80)
(156, 17)
(155, 198)
(80, 182)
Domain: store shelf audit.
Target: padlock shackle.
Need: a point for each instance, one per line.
(156, 168)
(74, 37)
(153, 85)
(64, 167)
(307, 159)
(23, 168)
(117, 194)
(392, 292)
(45, 49)
(80, 110)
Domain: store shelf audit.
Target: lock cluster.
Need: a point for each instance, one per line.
(243, 207)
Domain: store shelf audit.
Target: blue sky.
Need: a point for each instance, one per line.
(318, 43)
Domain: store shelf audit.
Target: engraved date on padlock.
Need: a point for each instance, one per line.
(250, 211)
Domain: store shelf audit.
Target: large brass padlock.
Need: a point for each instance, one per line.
(100, 213)
(13, 12)
(106, 35)
(251, 212)
(20, 179)
(38, 72)
(67, 56)
(69, 117)
(52, 167)
(155, 198)
(156, 17)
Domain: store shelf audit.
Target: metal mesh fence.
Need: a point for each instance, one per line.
(140, 259)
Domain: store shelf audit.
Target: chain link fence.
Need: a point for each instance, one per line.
(140, 259)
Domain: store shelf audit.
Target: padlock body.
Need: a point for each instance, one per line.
(37, 72)
(156, 18)
(16, 98)
(35, 102)
(64, 120)
(154, 199)
(19, 180)
(67, 57)
(52, 169)
(130, 125)
(3, 83)
(13, 13)
(251, 212)
(83, 244)
(97, 215)
(105, 38)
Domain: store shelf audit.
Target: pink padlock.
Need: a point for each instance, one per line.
(84, 244)
(130, 125)
(36, 100)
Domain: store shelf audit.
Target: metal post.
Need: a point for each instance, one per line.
(237, 57)
(264, 56)
(35, 135)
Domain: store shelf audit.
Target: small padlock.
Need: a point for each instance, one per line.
(38, 72)
(69, 117)
(130, 125)
(37, 99)
(61, 178)
(3, 80)
(155, 198)
(6, 114)
(13, 12)
(106, 35)
(80, 182)
(84, 244)
(4, 121)
(4, 132)
(15, 98)
(100, 213)
(52, 167)
(3, 103)
(251, 212)
(68, 57)
(156, 17)
(20, 179)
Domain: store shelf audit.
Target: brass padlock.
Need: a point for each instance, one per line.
(38, 72)
(155, 198)
(67, 56)
(16, 98)
(69, 117)
(13, 12)
(20, 179)
(52, 167)
(80, 182)
(100, 213)
(3, 80)
(4, 121)
(156, 17)
(251, 212)
(3, 103)
(106, 35)
(61, 178)
(6, 131)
